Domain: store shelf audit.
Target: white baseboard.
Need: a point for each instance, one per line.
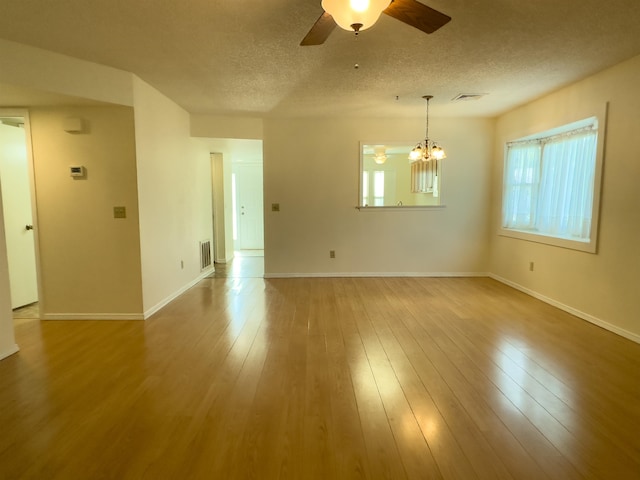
(584, 316)
(92, 316)
(126, 316)
(9, 351)
(375, 274)
(176, 294)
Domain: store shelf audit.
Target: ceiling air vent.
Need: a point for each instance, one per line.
(465, 97)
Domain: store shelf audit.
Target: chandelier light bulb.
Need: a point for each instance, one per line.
(438, 152)
(416, 153)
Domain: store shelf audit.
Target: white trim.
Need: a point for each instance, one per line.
(375, 274)
(126, 316)
(176, 294)
(24, 113)
(584, 316)
(372, 208)
(92, 316)
(600, 113)
(10, 351)
(586, 246)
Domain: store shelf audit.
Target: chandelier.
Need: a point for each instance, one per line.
(427, 150)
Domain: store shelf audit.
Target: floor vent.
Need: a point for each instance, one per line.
(205, 255)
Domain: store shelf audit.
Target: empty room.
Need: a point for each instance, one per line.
(320, 239)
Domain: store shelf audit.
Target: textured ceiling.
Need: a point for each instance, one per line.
(243, 56)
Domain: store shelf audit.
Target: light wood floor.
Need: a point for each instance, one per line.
(341, 378)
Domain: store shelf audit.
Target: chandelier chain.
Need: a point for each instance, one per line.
(427, 125)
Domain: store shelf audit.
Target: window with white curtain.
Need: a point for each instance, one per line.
(549, 184)
(373, 182)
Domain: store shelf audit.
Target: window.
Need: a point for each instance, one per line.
(551, 181)
(389, 180)
(374, 180)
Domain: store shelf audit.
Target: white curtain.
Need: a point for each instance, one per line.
(522, 177)
(566, 186)
(548, 184)
(422, 176)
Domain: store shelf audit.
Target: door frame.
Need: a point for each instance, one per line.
(24, 113)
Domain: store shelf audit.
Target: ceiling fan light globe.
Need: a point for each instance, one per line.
(359, 5)
(380, 159)
(353, 12)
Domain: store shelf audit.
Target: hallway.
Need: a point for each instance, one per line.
(245, 264)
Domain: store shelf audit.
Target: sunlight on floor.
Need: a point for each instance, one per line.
(245, 264)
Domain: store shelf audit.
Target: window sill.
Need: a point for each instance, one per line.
(588, 246)
(362, 208)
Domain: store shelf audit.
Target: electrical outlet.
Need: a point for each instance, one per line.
(275, 207)
(531, 266)
(332, 254)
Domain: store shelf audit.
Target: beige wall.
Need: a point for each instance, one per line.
(89, 261)
(223, 204)
(602, 287)
(174, 194)
(40, 69)
(217, 126)
(311, 168)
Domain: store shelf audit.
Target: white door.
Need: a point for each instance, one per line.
(18, 218)
(249, 206)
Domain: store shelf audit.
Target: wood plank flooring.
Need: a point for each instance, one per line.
(343, 378)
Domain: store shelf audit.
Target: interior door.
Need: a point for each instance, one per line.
(250, 206)
(18, 217)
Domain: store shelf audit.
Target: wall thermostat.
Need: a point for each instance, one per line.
(77, 171)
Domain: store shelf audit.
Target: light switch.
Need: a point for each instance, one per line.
(119, 212)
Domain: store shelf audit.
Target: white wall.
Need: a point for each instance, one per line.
(311, 168)
(174, 195)
(603, 287)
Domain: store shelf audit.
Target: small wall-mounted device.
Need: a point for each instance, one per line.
(73, 125)
(119, 212)
(77, 171)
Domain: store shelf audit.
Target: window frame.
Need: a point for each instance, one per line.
(361, 206)
(591, 244)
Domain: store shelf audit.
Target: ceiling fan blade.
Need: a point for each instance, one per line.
(417, 15)
(320, 30)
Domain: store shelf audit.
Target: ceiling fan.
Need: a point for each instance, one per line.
(358, 15)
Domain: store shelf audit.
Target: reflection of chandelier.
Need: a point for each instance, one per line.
(379, 154)
(428, 149)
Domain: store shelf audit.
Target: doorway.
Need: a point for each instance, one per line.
(237, 185)
(248, 207)
(18, 202)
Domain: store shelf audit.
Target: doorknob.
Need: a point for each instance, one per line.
(28, 227)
